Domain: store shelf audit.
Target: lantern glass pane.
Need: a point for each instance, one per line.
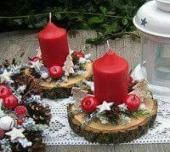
(156, 60)
(162, 65)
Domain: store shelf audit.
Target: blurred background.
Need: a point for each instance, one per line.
(110, 18)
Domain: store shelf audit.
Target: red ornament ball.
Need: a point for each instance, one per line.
(21, 111)
(10, 102)
(4, 91)
(89, 104)
(78, 54)
(56, 71)
(2, 133)
(132, 102)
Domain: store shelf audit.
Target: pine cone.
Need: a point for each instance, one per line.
(41, 114)
(32, 86)
(114, 114)
(36, 138)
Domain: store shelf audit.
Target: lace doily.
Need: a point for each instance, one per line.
(60, 133)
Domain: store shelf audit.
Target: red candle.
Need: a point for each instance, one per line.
(53, 44)
(111, 78)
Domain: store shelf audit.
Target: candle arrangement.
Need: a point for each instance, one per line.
(111, 108)
(115, 108)
(56, 68)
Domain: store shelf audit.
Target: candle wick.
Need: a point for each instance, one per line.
(50, 16)
(108, 45)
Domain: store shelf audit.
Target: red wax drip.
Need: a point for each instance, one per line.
(111, 78)
(54, 45)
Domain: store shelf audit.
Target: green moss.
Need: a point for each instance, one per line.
(57, 93)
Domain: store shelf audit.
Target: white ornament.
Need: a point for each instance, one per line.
(44, 75)
(16, 133)
(68, 66)
(6, 76)
(36, 65)
(139, 73)
(7, 123)
(104, 106)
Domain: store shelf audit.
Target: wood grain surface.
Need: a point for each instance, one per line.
(22, 44)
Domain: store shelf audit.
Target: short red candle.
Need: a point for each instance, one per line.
(111, 78)
(53, 44)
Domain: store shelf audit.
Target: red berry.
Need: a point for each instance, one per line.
(21, 111)
(78, 54)
(132, 102)
(4, 91)
(89, 104)
(20, 121)
(56, 71)
(2, 133)
(10, 102)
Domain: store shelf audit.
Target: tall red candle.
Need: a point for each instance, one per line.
(53, 44)
(111, 78)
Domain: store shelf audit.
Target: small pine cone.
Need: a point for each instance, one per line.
(114, 114)
(41, 114)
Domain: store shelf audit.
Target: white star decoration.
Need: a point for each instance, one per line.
(104, 106)
(6, 76)
(15, 133)
(36, 65)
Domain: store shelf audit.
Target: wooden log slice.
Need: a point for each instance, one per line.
(109, 133)
(51, 89)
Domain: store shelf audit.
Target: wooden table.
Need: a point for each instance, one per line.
(22, 44)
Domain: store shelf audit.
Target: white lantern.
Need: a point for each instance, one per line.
(153, 21)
